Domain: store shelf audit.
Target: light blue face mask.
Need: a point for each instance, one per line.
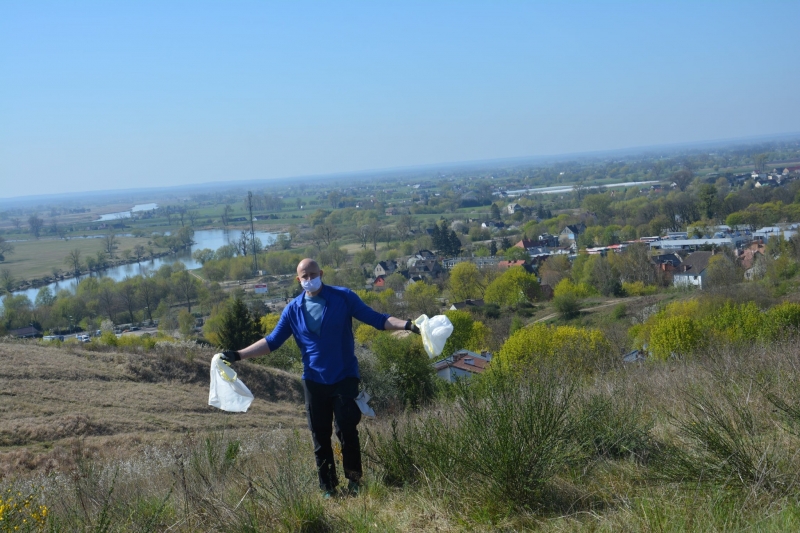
(311, 285)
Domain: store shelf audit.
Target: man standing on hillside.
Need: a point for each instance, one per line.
(321, 321)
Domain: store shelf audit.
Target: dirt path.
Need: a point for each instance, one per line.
(591, 309)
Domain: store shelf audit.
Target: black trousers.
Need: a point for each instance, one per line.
(334, 404)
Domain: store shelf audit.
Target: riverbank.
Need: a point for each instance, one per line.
(36, 283)
(36, 263)
(44, 261)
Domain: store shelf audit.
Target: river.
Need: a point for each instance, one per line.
(212, 239)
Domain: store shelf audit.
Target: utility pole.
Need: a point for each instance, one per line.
(252, 230)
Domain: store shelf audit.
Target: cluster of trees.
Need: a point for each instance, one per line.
(687, 327)
(76, 262)
(95, 299)
(511, 288)
(265, 202)
(445, 240)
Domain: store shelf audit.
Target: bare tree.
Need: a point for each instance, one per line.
(107, 298)
(5, 249)
(243, 244)
(760, 162)
(138, 252)
(326, 233)
(722, 271)
(57, 229)
(334, 197)
(579, 189)
(101, 260)
(226, 215)
(404, 225)
(333, 255)
(6, 280)
(110, 244)
(148, 292)
(128, 296)
(192, 214)
(73, 261)
(185, 286)
(17, 224)
(634, 264)
(35, 224)
(374, 232)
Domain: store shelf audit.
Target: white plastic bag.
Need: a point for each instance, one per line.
(435, 332)
(361, 401)
(227, 391)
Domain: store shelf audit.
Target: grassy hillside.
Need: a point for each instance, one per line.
(120, 403)
(125, 442)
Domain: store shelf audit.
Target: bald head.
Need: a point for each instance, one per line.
(307, 265)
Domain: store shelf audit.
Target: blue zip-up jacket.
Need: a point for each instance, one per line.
(330, 356)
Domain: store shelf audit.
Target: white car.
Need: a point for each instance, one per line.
(83, 338)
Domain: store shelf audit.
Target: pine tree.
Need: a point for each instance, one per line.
(436, 239)
(238, 327)
(453, 244)
(493, 249)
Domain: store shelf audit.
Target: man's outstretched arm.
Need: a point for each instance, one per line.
(257, 349)
(393, 323)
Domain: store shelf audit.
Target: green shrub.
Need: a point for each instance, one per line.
(638, 288)
(735, 323)
(568, 347)
(675, 335)
(108, 338)
(505, 438)
(515, 286)
(567, 305)
(580, 290)
(782, 321)
(468, 333)
(405, 368)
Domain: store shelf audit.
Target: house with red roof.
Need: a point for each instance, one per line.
(463, 364)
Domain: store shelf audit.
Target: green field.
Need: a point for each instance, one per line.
(37, 258)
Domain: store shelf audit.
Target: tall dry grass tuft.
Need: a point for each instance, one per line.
(731, 429)
(507, 439)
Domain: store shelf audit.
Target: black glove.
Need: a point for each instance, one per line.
(410, 326)
(230, 356)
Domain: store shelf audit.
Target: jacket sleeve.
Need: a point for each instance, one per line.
(282, 331)
(364, 313)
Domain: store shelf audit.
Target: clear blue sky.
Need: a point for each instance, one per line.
(107, 95)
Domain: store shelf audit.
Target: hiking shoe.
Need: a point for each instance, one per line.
(329, 494)
(353, 488)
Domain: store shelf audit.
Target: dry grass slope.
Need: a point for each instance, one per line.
(118, 403)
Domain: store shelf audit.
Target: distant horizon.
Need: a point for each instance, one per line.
(450, 165)
(112, 95)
